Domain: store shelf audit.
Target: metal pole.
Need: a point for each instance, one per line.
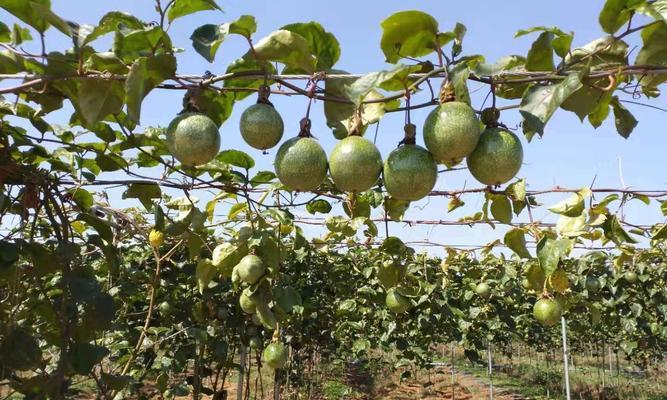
(239, 384)
(566, 358)
(490, 373)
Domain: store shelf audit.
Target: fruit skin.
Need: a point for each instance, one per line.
(250, 269)
(155, 238)
(275, 355)
(410, 173)
(451, 132)
(497, 157)
(355, 164)
(483, 290)
(261, 126)
(193, 139)
(396, 302)
(247, 303)
(592, 284)
(301, 164)
(165, 308)
(547, 312)
(630, 277)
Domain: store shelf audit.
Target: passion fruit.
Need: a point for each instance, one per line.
(355, 164)
(275, 355)
(389, 274)
(261, 126)
(410, 173)
(630, 277)
(247, 303)
(547, 312)
(193, 139)
(497, 157)
(155, 238)
(250, 269)
(396, 302)
(483, 290)
(593, 284)
(301, 164)
(451, 132)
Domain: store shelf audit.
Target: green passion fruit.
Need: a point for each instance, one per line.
(193, 139)
(261, 126)
(593, 284)
(355, 164)
(250, 269)
(410, 173)
(275, 355)
(301, 164)
(547, 312)
(483, 290)
(396, 302)
(247, 303)
(451, 132)
(497, 157)
(630, 277)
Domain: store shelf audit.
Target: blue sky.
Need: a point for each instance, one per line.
(570, 154)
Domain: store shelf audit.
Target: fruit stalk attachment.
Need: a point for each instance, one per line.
(263, 94)
(447, 93)
(304, 127)
(410, 134)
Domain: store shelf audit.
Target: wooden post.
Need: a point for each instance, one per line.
(239, 384)
(490, 372)
(451, 345)
(566, 358)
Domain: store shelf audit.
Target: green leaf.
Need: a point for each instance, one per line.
(614, 231)
(101, 226)
(5, 34)
(99, 98)
(130, 45)
(204, 272)
(660, 233)
(226, 256)
(408, 34)
(540, 102)
(82, 198)
(616, 13)
(243, 65)
(395, 208)
(515, 240)
(340, 115)
(458, 76)
(84, 356)
(602, 53)
(318, 206)
(551, 251)
(236, 209)
(145, 192)
(600, 111)
(459, 32)
(653, 52)
(181, 8)
(145, 74)
(236, 158)
(360, 88)
(501, 209)
(657, 9)
(571, 226)
(455, 203)
(285, 47)
(112, 21)
(322, 44)
(572, 206)
(207, 38)
(540, 56)
(624, 120)
(36, 13)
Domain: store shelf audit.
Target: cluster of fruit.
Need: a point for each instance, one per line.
(255, 300)
(451, 133)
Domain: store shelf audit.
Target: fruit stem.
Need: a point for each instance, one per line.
(447, 92)
(305, 127)
(410, 134)
(263, 94)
